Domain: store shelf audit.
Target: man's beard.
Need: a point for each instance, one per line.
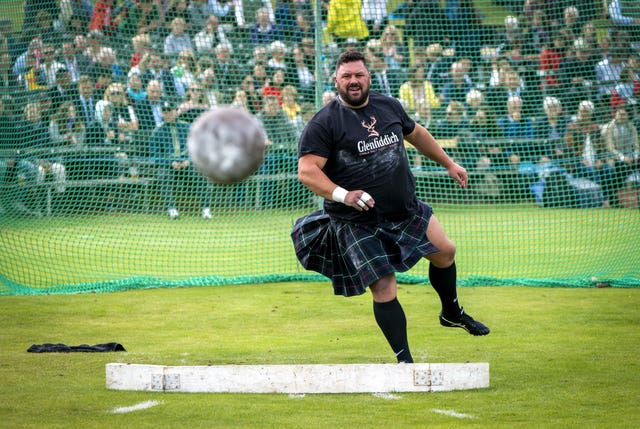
(347, 98)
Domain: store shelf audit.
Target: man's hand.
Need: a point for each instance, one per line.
(459, 174)
(359, 200)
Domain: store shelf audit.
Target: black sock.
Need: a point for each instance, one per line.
(393, 323)
(443, 281)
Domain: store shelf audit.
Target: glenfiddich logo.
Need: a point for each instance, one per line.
(370, 126)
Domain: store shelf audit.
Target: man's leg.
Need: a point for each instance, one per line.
(443, 278)
(390, 316)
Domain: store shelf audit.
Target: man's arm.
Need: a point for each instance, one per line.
(429, 147)
(311, 175)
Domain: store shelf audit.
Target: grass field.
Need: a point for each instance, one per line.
(509, 242)
(560, 358)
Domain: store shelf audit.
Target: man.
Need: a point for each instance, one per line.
(169, 150)
(352, 154)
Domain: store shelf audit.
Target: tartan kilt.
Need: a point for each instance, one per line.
(354, 256)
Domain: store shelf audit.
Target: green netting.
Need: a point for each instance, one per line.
(537, 99)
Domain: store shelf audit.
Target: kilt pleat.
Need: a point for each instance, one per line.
(354, 256)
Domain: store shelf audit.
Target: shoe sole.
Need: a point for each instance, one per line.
(449, 324)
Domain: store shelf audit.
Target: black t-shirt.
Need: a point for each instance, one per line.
(365, 150)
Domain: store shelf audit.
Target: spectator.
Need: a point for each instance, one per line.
(138, 98)
(180, 9)
(305, 25)
(572, 25)
(169, 152)
(259, 77)
(550, 59)
(154, 95)
(141, 17)
(122, 113)
(457, 88)
(240, 100)
(278, 58)
(274, 86)
(578, 76)
(511, 86)
(515, 127)
(539, 31)
(290, 103)
(85, 102)
(436, 66)
(75, 62)
(376, 17)
(184, 72)
(418, 90)
(260, 56)
(621, 139)
(516, 44)
(608, 71)
(75, 16)
(481, 122)
(64, 89)
(303, 79)
(195, 102)
(108, 126)
(624, 92)
(252, 96)
(66, 128)
(380, 79)
(141, 46)
(246, 13)
(263, 32)
(396, 55)
(552, 129)
(344, 21)
(625, 15)
(224, 10)
(453, 125)
(49, 65)
(211, 36)
(227, 71)
(199, 13)
(210, 88)
(152, 67)
(586, 151)
(103, 17)
(178, 40)
(107, 61)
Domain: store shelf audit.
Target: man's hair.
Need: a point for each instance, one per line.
(350, 56)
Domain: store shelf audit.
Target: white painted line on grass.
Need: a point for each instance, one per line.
(388, 396)
(137, 407)
(452, 413)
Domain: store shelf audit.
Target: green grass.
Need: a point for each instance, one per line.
(560, 358)
(501, 242)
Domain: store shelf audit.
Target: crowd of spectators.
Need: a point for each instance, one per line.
(544, 88)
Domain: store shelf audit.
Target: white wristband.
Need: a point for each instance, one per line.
(339, 194)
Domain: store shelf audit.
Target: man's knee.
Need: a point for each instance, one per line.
(445, 256)
(384, 289)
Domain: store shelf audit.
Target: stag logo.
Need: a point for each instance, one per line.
(370, 126)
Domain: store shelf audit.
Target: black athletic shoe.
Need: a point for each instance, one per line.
(464, 321)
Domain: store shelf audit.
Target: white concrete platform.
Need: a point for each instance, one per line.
(298, 379)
